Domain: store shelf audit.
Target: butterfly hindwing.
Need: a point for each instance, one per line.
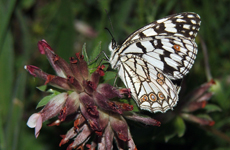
(150, 88)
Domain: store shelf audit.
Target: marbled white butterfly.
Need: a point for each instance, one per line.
(153, 60)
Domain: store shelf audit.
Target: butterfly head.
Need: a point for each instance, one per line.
(113, 45)
(114, 48)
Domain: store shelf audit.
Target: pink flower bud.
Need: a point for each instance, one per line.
(119, 126)
(35, 121)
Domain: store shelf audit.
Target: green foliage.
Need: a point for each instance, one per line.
(84, 53)
(178, 128)
(46, 99)
(42, 88)
(24, 23)
(212, 108)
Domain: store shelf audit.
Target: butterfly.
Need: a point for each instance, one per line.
(153, 60)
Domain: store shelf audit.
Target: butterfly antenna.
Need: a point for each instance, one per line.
(114, 43)
(109, 21)
(110, 33)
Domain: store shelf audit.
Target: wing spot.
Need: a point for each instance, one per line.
(152, 97)
(159, 81)
(193, 21)
(180, 20)
(144, 98)
(176, 47)
(190, 16)
(157, 27)
(160, 76)
(161, 96)
(186, 26)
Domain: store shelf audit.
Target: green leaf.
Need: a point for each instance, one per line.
(7, 72)
(212, 108)
(2, 137)
(130, 101)
(42, 88)
(204, 116)
(135, 107)
(84, 53)
(96, 51)
(46, 99)
(53, 91)
(16, 112)
(169, 136)
(220, 94)
(179, 126)
(27, 4)
(177, 129)
(93, 67)
(110, 75)
(5, 16)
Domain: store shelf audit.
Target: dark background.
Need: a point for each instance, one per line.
(24, 22)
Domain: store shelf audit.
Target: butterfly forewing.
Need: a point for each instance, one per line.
(185, 24)
(153, 60)
(174, 56)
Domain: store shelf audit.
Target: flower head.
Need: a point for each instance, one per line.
(192, 107)
(196, 100)
(86, 102)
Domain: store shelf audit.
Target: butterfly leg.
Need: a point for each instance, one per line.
(96, 58)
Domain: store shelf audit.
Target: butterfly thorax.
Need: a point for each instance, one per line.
(114, 58)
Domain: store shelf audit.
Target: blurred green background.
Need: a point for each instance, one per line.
(66, 25)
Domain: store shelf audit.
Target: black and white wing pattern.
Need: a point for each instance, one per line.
(153, 60)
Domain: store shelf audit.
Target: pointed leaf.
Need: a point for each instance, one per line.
(7, 71)
(179, 126)
(84, 53)
(110, 75)
(46, 99)
(95, 51)
(212, 108)
(53, 91)
(204, 116)
(42, 88)
(168, 137)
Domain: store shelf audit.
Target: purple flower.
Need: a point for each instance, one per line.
(189, 105)
(86, 102)
(196, 100)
